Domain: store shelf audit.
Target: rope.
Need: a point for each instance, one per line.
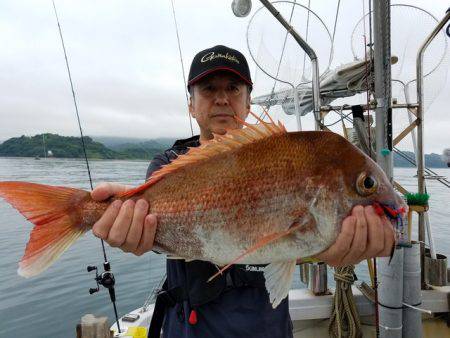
(182, 65)
(344, 319)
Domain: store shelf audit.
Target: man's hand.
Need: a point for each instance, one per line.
(125, 225)
(363, 235)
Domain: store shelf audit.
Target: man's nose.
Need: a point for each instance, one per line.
(221, 98)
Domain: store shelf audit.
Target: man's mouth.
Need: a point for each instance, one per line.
(222, 115)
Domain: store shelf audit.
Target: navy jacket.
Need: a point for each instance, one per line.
(235, 311)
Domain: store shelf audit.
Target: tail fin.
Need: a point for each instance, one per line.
(56, 213)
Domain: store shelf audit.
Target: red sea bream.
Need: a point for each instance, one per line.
(258, 195)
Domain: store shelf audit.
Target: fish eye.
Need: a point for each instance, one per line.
(366, 184)
(369, 182)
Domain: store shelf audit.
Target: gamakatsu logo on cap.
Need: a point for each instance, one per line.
(211, 56)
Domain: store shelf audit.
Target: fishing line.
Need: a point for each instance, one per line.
(106, 262)
(182, 64)
(73, 94)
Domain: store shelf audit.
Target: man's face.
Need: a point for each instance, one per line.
(215, 100)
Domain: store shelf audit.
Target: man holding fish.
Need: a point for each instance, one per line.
(235, 304)
(234, 209)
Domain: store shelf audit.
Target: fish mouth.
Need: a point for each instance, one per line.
(395, 212)
(393, 209)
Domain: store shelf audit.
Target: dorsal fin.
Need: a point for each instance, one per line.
(138, 189)
(232, 140)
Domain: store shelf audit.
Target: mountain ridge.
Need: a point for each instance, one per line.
(111, 147)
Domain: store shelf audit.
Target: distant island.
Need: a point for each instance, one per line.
(52, 145)
(431, 160)
(107, 147)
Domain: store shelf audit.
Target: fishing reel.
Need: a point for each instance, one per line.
(105, 279)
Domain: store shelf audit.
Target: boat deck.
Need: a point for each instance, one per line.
(310, 313)
(432, 328)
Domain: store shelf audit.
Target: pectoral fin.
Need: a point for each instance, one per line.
(279, 277)
(261, 243)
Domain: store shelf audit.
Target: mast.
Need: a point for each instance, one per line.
(390, 297)
(382, 64)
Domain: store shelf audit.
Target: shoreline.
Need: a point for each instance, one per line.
(140, 160)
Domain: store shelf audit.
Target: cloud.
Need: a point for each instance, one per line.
(126, 68)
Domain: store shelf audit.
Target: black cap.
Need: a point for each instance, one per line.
(219, 58)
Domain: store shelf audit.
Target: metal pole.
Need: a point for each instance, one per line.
(328, 108)
(427, 218)
(420, 115)
(390, 281)
(311, 54)
(382, 64)
(297, 111)
(420, 134)
(412, 319)
(391, 295)
(410, 119)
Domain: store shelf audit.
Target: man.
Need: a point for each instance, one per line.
(235, 304)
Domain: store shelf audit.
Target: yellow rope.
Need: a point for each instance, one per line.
(344, 319)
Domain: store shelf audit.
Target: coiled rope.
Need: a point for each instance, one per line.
(344, 319)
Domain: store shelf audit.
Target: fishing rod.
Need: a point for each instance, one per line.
(105, 278)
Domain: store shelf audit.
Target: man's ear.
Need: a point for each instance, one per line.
(248, 105)
(191, 107)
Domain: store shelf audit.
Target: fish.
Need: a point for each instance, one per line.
(256, 195)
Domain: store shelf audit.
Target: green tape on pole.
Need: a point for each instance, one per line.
(417, 199)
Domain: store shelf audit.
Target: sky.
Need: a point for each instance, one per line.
(127, 72)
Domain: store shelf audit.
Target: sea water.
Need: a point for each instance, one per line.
(51, 304)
